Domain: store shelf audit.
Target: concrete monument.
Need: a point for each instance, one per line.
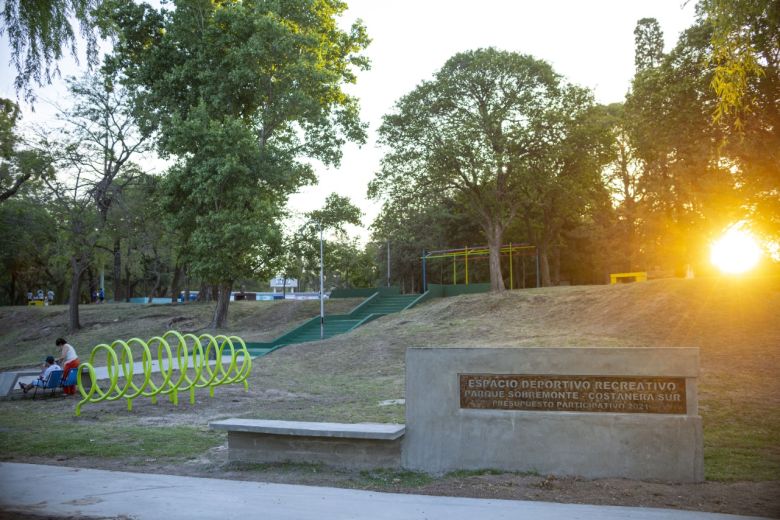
(594, 412)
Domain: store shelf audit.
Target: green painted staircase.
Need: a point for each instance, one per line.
(384, 305)
(380, 303)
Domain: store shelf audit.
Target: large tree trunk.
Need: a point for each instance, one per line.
(117, 269)
(522, 268)
(153, 293)
(59, 291)
(12, 289)
(176, 283)
(128, 285)
(186, 286)
(544, 264)
(75, 292)
(157, 276)
(92, 284)
(495, 234)
(204, 294)
(221, 311)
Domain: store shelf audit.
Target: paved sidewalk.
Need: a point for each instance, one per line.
(63, 491)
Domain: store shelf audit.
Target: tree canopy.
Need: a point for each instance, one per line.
(19, 163)
(40, 33)
(240, 93)
(492, 131)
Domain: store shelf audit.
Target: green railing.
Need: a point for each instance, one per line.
(183, 365)
(368, 301)
(374, 298)
(446, 291)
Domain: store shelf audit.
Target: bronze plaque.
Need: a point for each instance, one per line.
(556, 393)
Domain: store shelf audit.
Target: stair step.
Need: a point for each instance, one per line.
(310, 331)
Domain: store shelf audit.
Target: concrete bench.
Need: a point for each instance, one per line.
(8, 380)
(353, 446)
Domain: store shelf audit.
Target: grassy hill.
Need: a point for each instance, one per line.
(735, 323)
(27, 334)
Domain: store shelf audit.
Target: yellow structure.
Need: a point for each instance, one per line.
(640, 276)
(517, 249)
(35, 303)
(182, 365)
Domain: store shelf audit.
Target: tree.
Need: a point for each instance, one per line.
(25, 258)
(486, 132)
(335, 214)
(563, 183)
(240, 92)
(744, 57)
(623, 179)
(687, 184)
(414, 225)
(102, 136)
(301, 257)
(92, 148)
(745, 41)
(648, 44)
(39, 33)
(349, 265)
(140, 240)
(18, 166)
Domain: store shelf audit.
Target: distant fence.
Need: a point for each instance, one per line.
(183, 363)
(445, 290)
(363, 292)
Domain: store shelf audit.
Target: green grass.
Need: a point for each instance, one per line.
(132, 442)
(741, 441)
(345, 380)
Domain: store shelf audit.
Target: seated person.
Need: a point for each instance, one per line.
(49, 367)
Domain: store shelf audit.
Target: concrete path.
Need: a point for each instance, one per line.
(62, 491)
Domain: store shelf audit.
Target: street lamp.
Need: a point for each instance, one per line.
(322, 275)
(322, 302)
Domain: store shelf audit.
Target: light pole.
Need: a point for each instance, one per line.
(322, 302)
(388, 262)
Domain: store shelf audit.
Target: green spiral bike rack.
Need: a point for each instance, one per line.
(182, 363)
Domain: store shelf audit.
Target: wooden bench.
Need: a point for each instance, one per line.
(354, 446)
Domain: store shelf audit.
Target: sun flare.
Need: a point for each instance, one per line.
(737, 251)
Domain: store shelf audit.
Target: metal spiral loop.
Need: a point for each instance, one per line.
(182, 363)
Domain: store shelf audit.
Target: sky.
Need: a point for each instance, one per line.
(591, 43)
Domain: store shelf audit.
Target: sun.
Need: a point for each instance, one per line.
(737, 251)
